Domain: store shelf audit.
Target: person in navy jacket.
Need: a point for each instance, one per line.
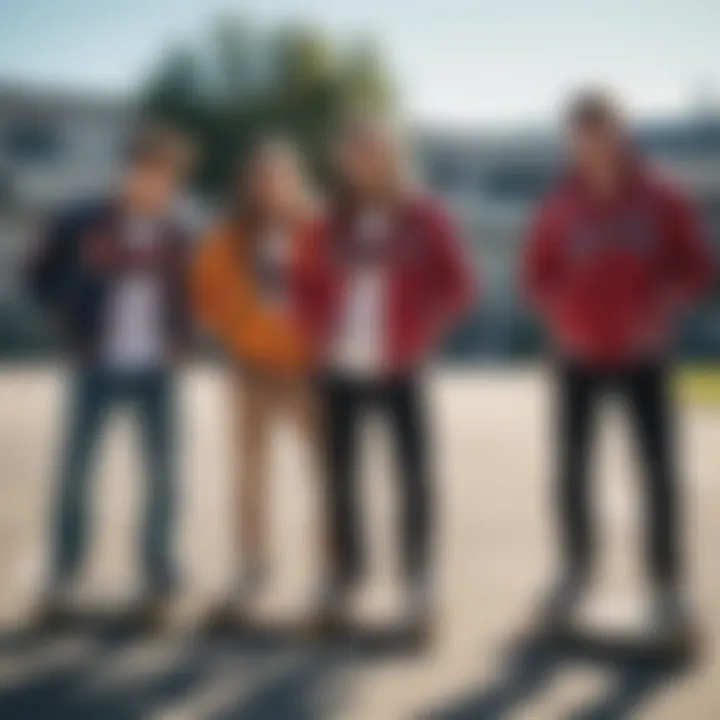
(110, 275)
(615, 255)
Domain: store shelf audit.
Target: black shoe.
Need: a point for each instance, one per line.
(418, 622)
(245, 588)
(332, 606)
(562, 602)
(52, 616)
(58, 607)
(670, 616)
(234, 608)
(154, 611)
(230, 613)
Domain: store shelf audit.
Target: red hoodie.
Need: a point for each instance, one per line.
(430, 282)
(609, 275)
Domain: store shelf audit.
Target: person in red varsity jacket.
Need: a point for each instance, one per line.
(614, 256)
(378, 281)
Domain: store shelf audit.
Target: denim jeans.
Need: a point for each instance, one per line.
(95, 393)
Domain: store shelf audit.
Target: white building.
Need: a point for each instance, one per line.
(53, 146)
(57, 145)
(494, 182)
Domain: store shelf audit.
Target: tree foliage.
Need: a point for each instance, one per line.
(241, 83)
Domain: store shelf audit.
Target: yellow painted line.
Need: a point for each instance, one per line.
(699, 385)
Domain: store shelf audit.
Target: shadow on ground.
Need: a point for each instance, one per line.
(533, 664)
(121, 676)
(90, 673)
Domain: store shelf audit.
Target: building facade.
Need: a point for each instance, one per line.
(56, 146)
(493, 184)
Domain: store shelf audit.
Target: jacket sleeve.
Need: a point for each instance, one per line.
(689, 261)
(310, 282)
(206, 286)
(457, 282)
(49, 268)
(540, 261)
(181, 325)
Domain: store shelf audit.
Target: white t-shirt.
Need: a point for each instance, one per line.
(134, 336)
(358, 345)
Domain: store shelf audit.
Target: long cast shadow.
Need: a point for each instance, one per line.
(533, 664)
(66, 689)
(307, 680)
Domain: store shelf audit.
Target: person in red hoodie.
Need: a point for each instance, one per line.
(379, 280)
(614, 255)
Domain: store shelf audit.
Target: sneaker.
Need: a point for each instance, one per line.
(157, 603)
(563, 601)
(246, 586)
(242, 592)
(332, 607)
(670, 616)
(420, 599)
(154, 612)
(57, 605)
(420, 609)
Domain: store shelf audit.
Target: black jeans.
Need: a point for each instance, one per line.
(398, 400)
(644, 390)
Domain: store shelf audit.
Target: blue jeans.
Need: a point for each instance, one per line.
(97, 392)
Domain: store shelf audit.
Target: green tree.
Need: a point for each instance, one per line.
(242, 83)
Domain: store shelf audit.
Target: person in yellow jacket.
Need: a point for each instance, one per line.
(242, 296)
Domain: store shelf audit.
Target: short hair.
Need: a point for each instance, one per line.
(592, 108)
(156, 144)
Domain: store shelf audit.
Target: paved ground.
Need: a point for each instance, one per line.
(495, 549)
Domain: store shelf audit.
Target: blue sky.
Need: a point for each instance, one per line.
(456, 61)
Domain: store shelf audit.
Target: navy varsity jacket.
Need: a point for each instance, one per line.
(80, 255)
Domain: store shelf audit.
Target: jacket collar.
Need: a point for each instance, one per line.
(634, 176)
